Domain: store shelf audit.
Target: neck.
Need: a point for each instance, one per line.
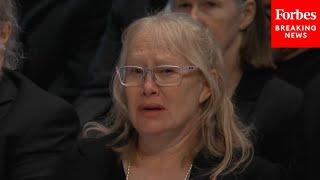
(165, 155)
(175, 144)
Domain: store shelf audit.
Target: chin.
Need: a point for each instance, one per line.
(151, 132)
(150, 127)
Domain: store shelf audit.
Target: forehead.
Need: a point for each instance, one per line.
(147, 46)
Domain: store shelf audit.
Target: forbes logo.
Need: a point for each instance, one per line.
(281, 14)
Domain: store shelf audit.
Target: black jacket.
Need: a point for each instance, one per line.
(311, 129)
(300, 69)
(35, 129)
(270, 107)
(60, 38)
(92, 160)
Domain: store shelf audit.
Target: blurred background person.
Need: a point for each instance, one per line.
(60, 39)
(155, 131)
(71, 46)
(262, 101)
(301, 68)
(297, 66)
(311, 128)
(35, 127)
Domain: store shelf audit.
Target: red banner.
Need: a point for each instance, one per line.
(295, 23)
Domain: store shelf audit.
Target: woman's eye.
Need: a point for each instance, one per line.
(138, 71)
(210, 4)
(135, 71)
(167, 71)
(183, 6)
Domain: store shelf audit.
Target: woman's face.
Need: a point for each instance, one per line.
(222, 17)
(155, 109)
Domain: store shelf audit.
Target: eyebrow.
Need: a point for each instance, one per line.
(167, 60)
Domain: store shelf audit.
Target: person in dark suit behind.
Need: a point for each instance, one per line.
(311, 130)
(59, 39)
(35, 127)
(300, 67)
(172, 117)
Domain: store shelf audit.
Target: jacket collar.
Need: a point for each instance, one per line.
(8, 93)
(25, 94)
(7, 89)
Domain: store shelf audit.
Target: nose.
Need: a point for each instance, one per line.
(194, 13)
(150, 87)
(198, 15)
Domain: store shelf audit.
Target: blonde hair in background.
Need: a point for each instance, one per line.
(221, 134)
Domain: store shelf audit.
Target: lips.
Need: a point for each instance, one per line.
(151, 107)
(151, 110)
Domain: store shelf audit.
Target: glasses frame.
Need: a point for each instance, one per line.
(155, 78)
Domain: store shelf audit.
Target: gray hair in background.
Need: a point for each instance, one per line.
(12, 51)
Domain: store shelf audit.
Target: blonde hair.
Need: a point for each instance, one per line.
(221, 134)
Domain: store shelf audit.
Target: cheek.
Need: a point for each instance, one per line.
(218, 27)
(131, 96)
(224, 26)
(221, 34)
(183, 101)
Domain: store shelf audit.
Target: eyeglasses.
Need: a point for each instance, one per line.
(164, 75)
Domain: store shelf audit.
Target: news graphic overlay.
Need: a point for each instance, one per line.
(295, 23)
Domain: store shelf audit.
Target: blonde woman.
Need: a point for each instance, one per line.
(171, 117)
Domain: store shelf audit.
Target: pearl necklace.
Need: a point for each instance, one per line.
(185, 178)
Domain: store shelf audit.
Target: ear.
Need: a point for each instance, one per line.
(5, 32)
(248, 13)
(206, 91)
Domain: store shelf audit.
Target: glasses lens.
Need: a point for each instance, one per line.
(167, 75)
(130, 76)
